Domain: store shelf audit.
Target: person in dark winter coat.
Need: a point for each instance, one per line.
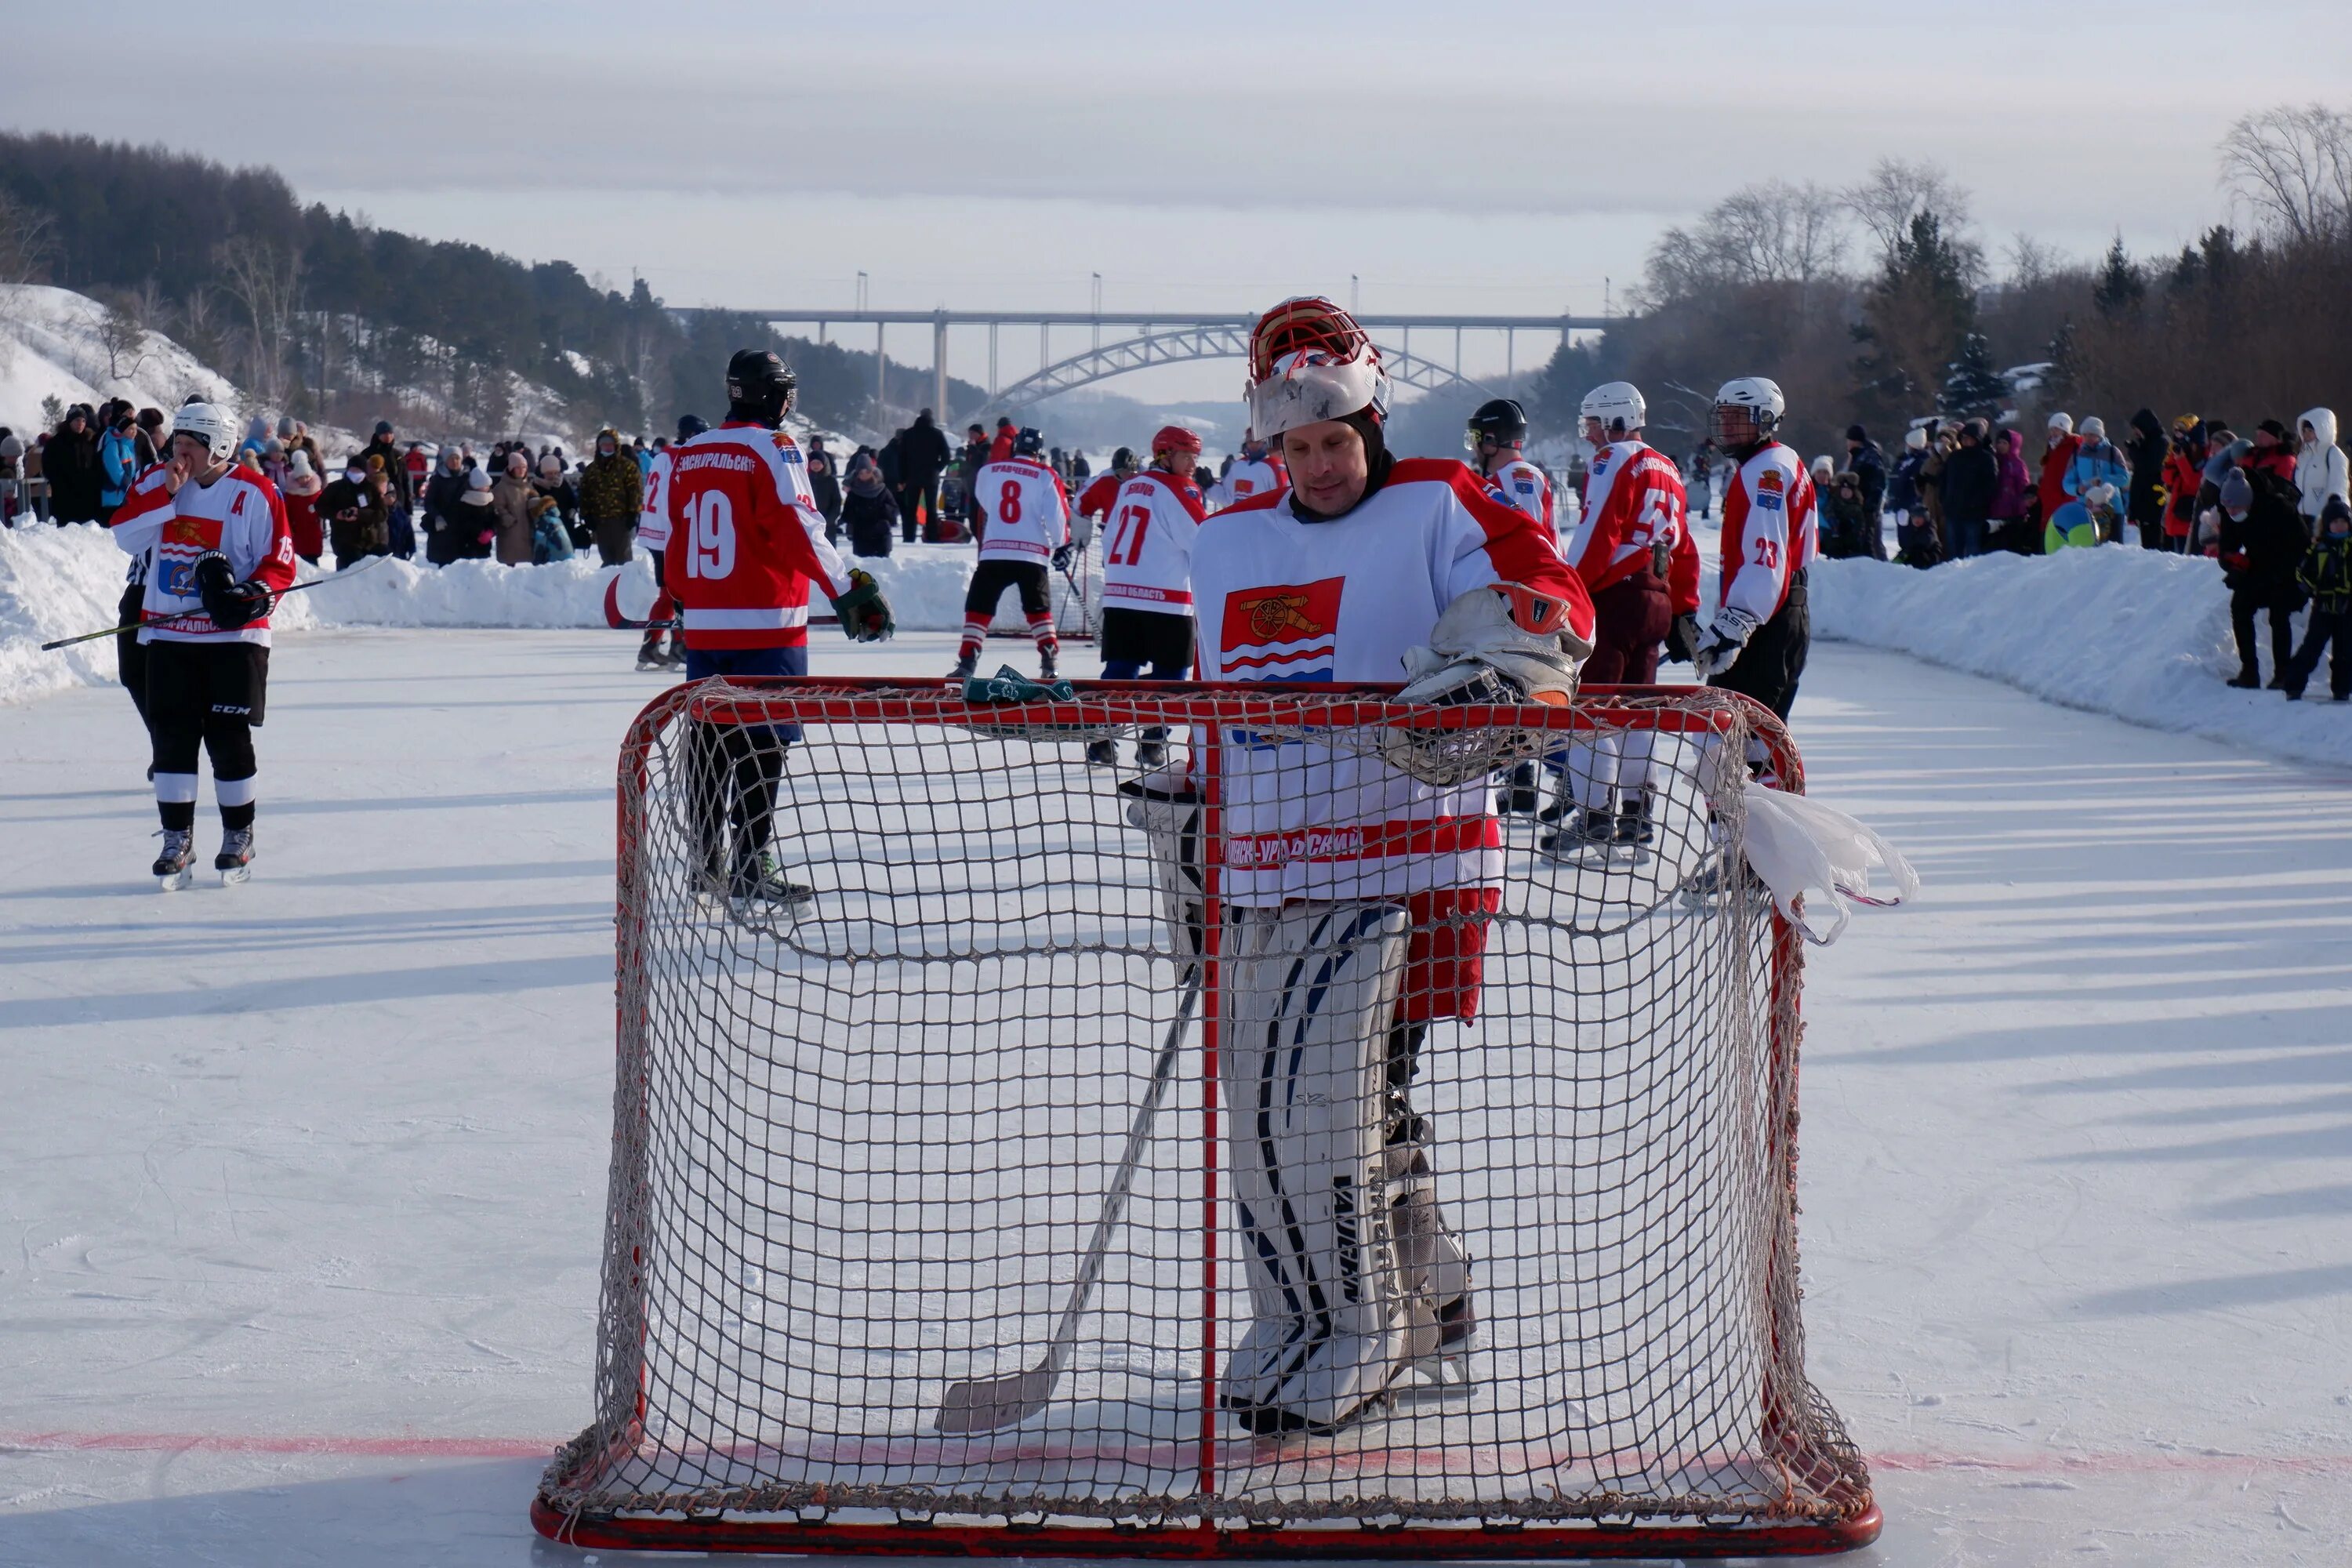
(2144, 501)
(448, 532)
(1915, 544)
(1971, 482)
(922, 458)
(2326, 576)
(399, 491)
(1868, 465)
(357, 525)
(69, 462)
(868, 514)
(2261, 545)
(612, 491)
(824, 485)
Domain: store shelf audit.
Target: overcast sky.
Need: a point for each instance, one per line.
(1210, 156)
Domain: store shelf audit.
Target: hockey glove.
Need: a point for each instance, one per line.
(1062, 557)
(864, 613)
(1505, 644)
(1682, 641)
(231, 605)
(1720, 647)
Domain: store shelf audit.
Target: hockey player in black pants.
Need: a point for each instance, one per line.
(219, 553)
(1762, 629)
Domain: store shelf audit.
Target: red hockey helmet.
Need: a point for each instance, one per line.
(1175, 438)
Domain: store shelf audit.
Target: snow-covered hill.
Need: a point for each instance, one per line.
(49, 348)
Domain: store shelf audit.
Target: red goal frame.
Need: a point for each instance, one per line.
(1629, 1534)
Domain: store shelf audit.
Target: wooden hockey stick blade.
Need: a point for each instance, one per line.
(993, 1403)
(622, 623)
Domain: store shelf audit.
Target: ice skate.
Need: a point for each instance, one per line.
(1635, 833)
(965, 665)
(1102, 754)
(1152, 749)
(649, 657)
(1518, 797)
(1585, 840)
(1048, 666)
(756, 887)
(235, 861)
(173, 867)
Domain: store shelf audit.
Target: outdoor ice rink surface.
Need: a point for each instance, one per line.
(304, 1181)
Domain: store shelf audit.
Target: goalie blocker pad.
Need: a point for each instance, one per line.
(1308, 995)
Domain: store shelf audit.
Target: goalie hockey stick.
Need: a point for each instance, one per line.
(993, 1403)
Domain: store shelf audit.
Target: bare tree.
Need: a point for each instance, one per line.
(1894, 192)
(120, 333)
(2293, 168)
(27, 242)
(267, 284)
(2030, 262)
(1771, 233)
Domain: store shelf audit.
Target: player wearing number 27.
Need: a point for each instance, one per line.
(1356, 883)
(1025, 524)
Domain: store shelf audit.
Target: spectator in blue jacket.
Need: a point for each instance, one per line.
(118, 460)
(2097, 461)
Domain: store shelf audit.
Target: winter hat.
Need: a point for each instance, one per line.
(2093, 428)
(477, 487)
(2237, 495)
(1917, 439)
(552, 466)
(2335, 511)
(2062, 422)
(1856, 433)
(375, 463)
(1823, 469)
(286, 428)
(299, 463)
(2277, 431)
(273, 447)
(517, 464)
(383, 426)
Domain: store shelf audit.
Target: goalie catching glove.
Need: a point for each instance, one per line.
(1719, 648)
(1503, 644)
(864, 613)
(231, 604)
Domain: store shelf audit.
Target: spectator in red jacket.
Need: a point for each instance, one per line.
(2274, 451)
(2051, 491)
(1001, 446)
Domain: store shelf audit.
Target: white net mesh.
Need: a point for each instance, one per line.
(873, 1097)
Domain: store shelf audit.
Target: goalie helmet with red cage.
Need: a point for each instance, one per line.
(1178, 444)
(1309, 362)
(1748, 410)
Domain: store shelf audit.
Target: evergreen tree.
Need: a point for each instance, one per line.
(2066, 372)
(2119, 287)
(1973, 388)
(1917, 312)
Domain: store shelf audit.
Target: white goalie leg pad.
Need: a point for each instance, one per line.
(1308, 995)
(1168, 809)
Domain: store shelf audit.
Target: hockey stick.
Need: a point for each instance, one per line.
(621, 623)
(298, 587)
(993, 1403)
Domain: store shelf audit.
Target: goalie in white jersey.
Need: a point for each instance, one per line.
(1025, 524)
(1356, 886)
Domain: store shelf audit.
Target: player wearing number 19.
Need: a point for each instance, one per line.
(741, 537)
(1147, 595)
(1025, 523)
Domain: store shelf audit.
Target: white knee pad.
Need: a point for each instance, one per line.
(1309, 994)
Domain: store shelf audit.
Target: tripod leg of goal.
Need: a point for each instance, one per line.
(993, 1403)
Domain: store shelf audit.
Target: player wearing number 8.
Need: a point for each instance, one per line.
(1025, 525)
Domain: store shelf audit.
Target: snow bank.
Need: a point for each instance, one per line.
(61, 582)
(2137, 634)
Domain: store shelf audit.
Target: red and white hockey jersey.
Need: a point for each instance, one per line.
(1246, 479)
(743, 539)
(1095, 500)
(1519, 483)
(240, 514)
(1026, 512)
(653, 518)
(1147, 544)
(1770, 531)
(1633, 501)
(1279, 598)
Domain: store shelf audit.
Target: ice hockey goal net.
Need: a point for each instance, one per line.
(863, 1137)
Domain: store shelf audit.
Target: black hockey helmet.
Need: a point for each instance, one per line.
(1499, 420)
(759, 387)
(689, 426)
(1123, 460)
(1030, 442)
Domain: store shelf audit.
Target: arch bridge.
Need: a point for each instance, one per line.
(1140, 340)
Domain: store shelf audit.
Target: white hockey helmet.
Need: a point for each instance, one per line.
(210, 422)
(1309, 362)
(1760, 396)
(1618, 405)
